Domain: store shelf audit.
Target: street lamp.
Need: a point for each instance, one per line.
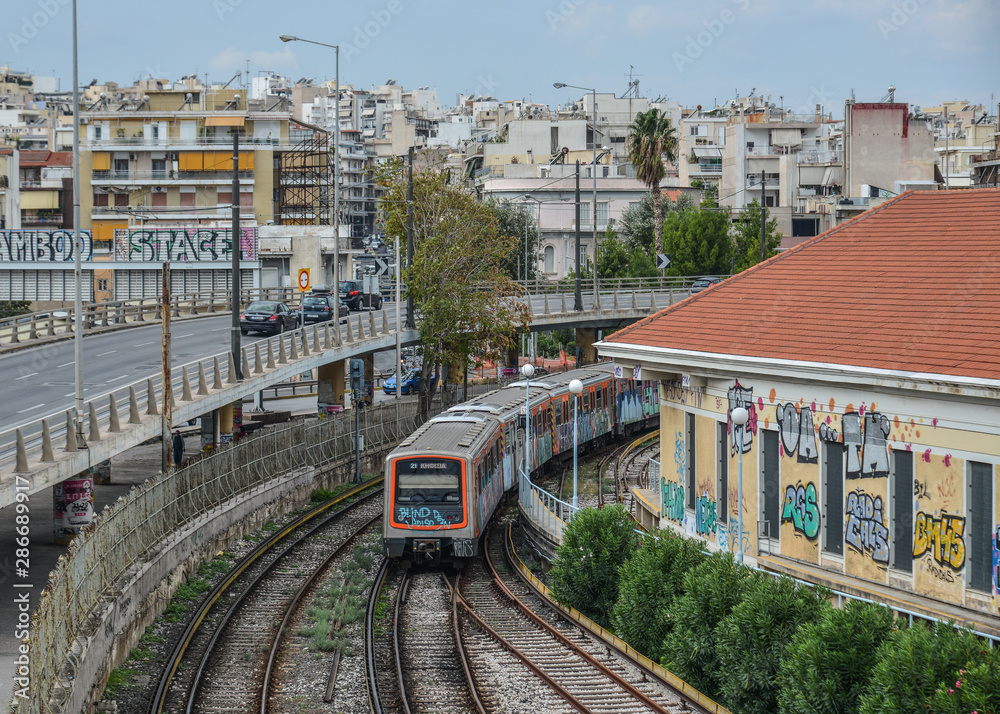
(336, 165)
(526, 371)
(740, 417)
(560, 85)
(575, 386)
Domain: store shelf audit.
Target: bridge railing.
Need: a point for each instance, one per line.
(542, 508)
(108, 554)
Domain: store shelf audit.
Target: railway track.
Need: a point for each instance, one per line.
(225, 658)
(627, 466)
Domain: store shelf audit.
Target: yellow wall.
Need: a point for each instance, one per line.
(939, 551)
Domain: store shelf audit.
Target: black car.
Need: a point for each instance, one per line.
(353, 293)
(319, 308)
(267, 316)
(704, 283)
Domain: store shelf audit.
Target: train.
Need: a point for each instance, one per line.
(444, 482)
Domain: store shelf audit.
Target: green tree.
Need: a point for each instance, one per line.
(913, 662)
(516, 221)
(829, 661)
(697, 241)
(975, 688)
(650, 580)
(753, 637)
(457, 281)
(13, 308)
(584, 573)
(618, 259)
(746, 236)
(635, 227)
(650, 140)
(711, 591)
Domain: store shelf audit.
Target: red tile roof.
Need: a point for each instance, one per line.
(912, 285)
(31, 158)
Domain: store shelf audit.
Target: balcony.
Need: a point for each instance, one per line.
(166, 175)
(819, 157)
(163, 142)
(714, 169)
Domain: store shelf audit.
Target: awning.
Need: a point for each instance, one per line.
(226, 121)
(710, 152)
(34, 200)
(786, 137)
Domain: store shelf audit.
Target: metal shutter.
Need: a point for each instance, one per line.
(980, 531)
(902, 510)
(772, 484)
(833, 499)
(722, 492)
(690, 460)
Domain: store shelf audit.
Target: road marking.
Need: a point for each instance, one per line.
(221, 329)
(73, 394)
(143, 344)
(105, 354)
(66, 365)
(33, 374)
(37, 406)
(187, 334)
(116, 379)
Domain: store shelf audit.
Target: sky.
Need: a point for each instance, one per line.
(798, 52)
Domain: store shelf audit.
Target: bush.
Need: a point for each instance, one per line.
(976, 688)
(711, 590)
(913, 662)
(650, 580)
(584, 573)
(753, 638)
(827, 666)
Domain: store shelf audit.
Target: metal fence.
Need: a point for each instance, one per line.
(542, 508)
(101, 561)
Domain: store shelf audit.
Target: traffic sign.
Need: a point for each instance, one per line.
(303, 279)
(662, 261)
(382, 267)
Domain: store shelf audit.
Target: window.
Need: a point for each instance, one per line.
(902, 510)
(160, 199)
(633, 205)
(121, 168)
(602, 213)
(833, 498)
(225, 198)
(159, 168)
(100, 199)
(980, 531)
(102, 285)
(690, 438)
(550, 259)
(97, 133)
(722, 487)
(187, 198)
(771, 484)
(585, 214)
(554, 140)
(121, 199)
(246, 199)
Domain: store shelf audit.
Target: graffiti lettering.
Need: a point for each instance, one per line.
(727, 538)
(674, 391)
(182, 244)
(18, 246)
(866, 530)
(741, 436)
(423, 516)
(942, 536)
(941, 574)
(866, 445)
(828, 434)
(801, 509)
(920, 489)
(798, 434)
(680, 458)
(673, 500)
(996, 561)
(705, 515)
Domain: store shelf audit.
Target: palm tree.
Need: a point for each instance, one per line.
(651, 138)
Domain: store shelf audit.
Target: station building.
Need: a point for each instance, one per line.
(868, 359)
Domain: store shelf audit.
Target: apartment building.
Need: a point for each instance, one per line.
(962, 131)
(10, 195)
(46, 187)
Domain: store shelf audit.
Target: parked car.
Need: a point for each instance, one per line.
(410, 383)
(704, 283)
(353, 293)
(319, 308)
(267, 316)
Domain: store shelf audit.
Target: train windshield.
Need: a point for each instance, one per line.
(427, 481)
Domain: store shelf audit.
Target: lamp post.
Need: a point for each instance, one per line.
(740, 417)
(575, 386)
(77, 250)
(560, 85)
(336, 165)
(526, 371)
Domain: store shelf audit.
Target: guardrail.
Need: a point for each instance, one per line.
(542, 508)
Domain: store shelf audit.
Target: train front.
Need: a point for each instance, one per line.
(426, 518)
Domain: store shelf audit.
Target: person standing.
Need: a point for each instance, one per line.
(178, 445)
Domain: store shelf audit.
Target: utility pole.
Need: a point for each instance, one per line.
(234, 328)
(410, 324)
(77, 250)
(578, 297)
(166, 460)
(763, 219)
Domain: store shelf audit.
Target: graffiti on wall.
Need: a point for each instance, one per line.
(741, 437)
(182, 244)
(705, 515)
(42, 246)
(866, 445)
(673, 500)
(675, 391)
(801, 510)
(866, 530)
(996, 562)
(942, 536)
(728, 537)
(798, 433)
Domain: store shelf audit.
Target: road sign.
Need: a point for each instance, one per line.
(662, 261)
(382, 267)
(303, 279)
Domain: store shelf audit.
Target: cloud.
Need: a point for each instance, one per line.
(233, 59)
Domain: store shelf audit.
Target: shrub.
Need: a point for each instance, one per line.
(911, 664)
(650, 580)
(584, 573)
(711, 590)
(752, 639)
(976, 688)
(827, 666)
